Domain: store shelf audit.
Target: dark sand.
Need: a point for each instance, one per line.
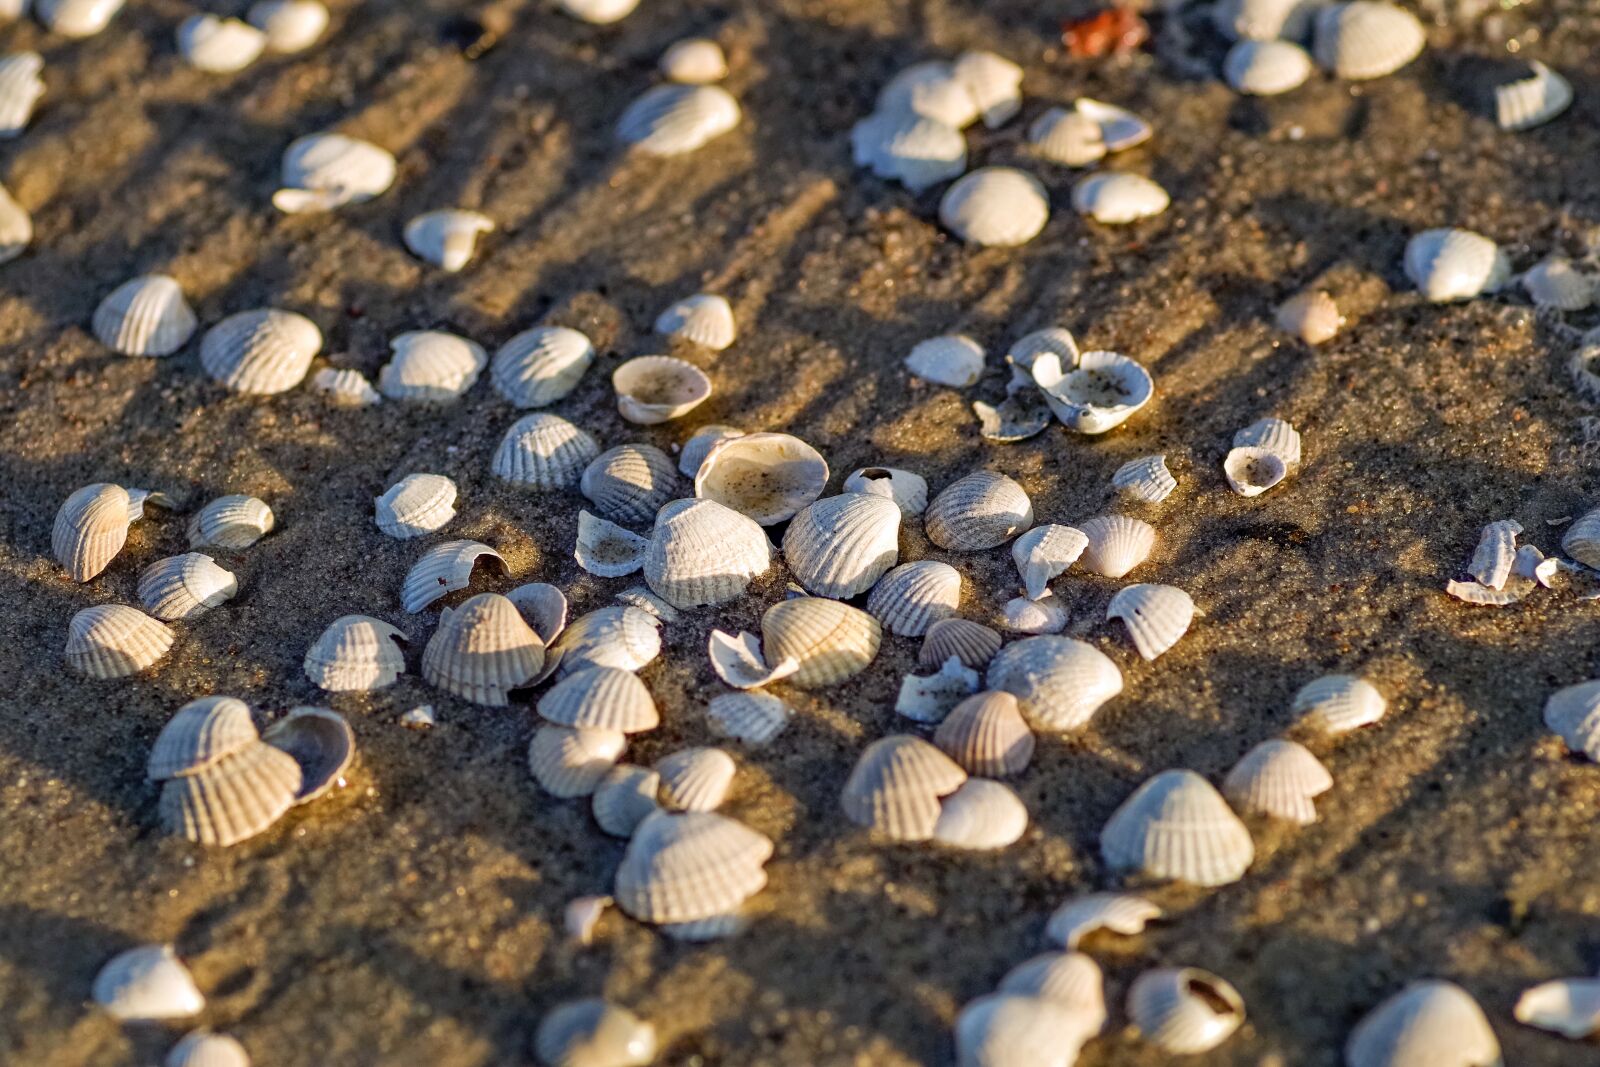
(415, 917)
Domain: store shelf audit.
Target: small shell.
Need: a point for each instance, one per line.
(483, 650)
(260, 352)
(987, 735)
(973, 643)
(828, 640)
(1252, 471)
(601, 698)
(144, 317)
(20, 89)
(92, 526)
(994, 82)
(1428, 1022)
(231, 522)
(1184, 1010)
(446, 238)
(995, 206)
(570, 763)
(953, 360)
(670, 120)
(1146, 479)
(629, 483)
(696, 779)
(185, 587)
(1156, 616)
(624, 798)
(205, 1049)
(1448, 264)
(1117, 544)
(1555, 283)
(699, 446)
(1120, 128)
(841, 545)
(622, 637)
(544, 451)
(1567, 1006)
(655, 389)
(1338, 703)
(320, 741)
(908, 490)
(345, 386)
(705, 319)
(739, 661)
(767, 476)
(1055, 340)
(544, 607)
(290, 25)
(704, 553)
(1177, 827)
(1043, 616)
(1015, 1030)
(202, 732)
(647, 602)
(219, 45)
(1275, 436)
(1280, 779)
(1264, 20)
(1581, 541)
(113, 641)
(1102, 392)
(1070, 138)
(1116, 198)
(754, 718)
(1121, 913)
(929, 699)
(1367, 39)
(233, 799)
(914, 596)
(1045, 552)
(430, 366)
(76, 18)
(1311, 316)
(1058, 682)
(1071, 979)
(607, 550)
(16, 227)
(980, 511)
(896, 786)
(444, 569)
(684, 867)
(930, 88)
(356, 653)
(540, 366)
(1532, 101)
(918, 151)
(981, 815)
(594, 1033)
(1021, 415)
(599, 12)
(1266, 68)
(148, 983)
(1574, 714)
(694, 61)
(324, 171)
(1496, 551)
(417, 504)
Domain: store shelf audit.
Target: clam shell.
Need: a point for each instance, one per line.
(1264, 20)
(1280, 779)
(1116, 198)
(655, 389)
(1311, 316)
(483, 650)
(1338, 703)
(219, 45)
(1555, 283)
(754, 718)
(1102, 392)
(647, 602)
(544, 451)
(918, 151)
(1044, 552)
(232, 799)
(544, 607)
(1184, 1010)
(1532, 101)
(1146, 478)
(669, 120)
(994, 82)
(1156, 616)
(708, 929)
(231, 522)
(600, 698)
(198, 735)
(1014, 1030)
(1070, 138)
(973, 643)
(1251, 471)
(930, 699)
(1496, 551)
(981, 815)
(260, 352)
(696, 779)
(147, 983)
(345, 386)
(914, 596)
(932, 89)
(320, 741)
(607, 550)
(693, 61)
(1266, 68)
(1043, 616)
(91, 527)
(1120, 128)
(1121, 913)
(624, 798)
(684, 867)
(1449, 264)
(953, 359)
(599, 12)
(1275, 436)
(1117, 544)
(1056, 340)
(1568, 1006)
(540, 366)
(703, 553)
(146, 316)
(1581, 541)
(356, 653)
(1059, 683)
(908, 490)
(570, 763)
(1366, 39)
(840, 546)
(995, 206)
(896, 787)
(699, 446)
(20, 89)
(767, 476)
(443, 569)
(323, 171)
(417, 504)
(828, 640)
(290, 25)
(1574, 714)
(185, 587)
(16, 227)
(430, 366)
(113, 641)
(705, 319)
(629, 483)
(594, 1033)
(622, 637)
(1428, 1022)
(202, 1048)
(987, 735)
(1071, 979)
(76, 18)
(446, 238)
(1177, 827)
(980, 511)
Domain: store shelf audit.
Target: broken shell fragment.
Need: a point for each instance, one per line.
(656, 389)
(444, 569)
(622, 637)
(828, 641)
(324, 171)
(1156, 616)
(544, 607)
(696, 779)
(199, 734)
(260, 352)
(1274, 435)
(913, 596)
(670, 120)
(1184, 1010)
(1070, 138)
(148, 983)
(232, 799)
(624, 797)
(1100, 393)
(693, 61)
(1045, 552)
(1043, 616)
(688, 866)
(1177, 827)
(930, 699)
(987, 735)
(540, 366)
(20, 89)
(705, 319)
(1311, 316)
(699, 446)
(1278, 778)
(704, 553)
(1366, 39)
(1567, 1006)
(356, 653)
(320, 741)
(996, 207)
(417, 504)
(570, 763)
(1146, 479)
(1059, 682)
(1338, 703)
(1496, 552)
(219, 45)
(1116, 198)
(594, 1033)
(1532, 101)
(973, 643)
(290, 25)
(146, 316)
(739, 661)
(767, 476)
(1573, 713)
(185, 587)
(607, 550)
(113, 641)
(1266, 68)
(430, 366)
(1021, 415)
(629, 483)
(953, 360)
(1449, 264)
(1428, 1022)
(92, 526)
(1121, 913)
(840, 546)
(483, 650)
(980, 511)
(601, 698)
(908, 490)
(896, 787)
(754, 718)
(345, 387)
(1117, 544)
(1252, 471)
(544, 451)
(981, 815)
(231, 522)
(446, 238)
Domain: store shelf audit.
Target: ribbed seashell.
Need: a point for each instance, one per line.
(1581, 541)
(540, 366)
(1023, 615)
(630, 483)
(754, 718)
(1280, 779)
(647, 602)
(1146, 478)
(219, 45)
(1102, 392)
(185, 587)
(829, 641)
(356, 653)
(1266, 68)
(324, 171)
(16, 227)
(980, 511)
(1184, 1010)
(699, 446)
(113, 641)
(570, 763)
(1044, 552)
(446, 238)
(1251, 470)
(767, 476)
(320, 741)
(1177, 827)
(607, 550)
(1366, 39)
(1567, 1006)
(1338, 703)
(1058, 682)
(987, 735)
(624, 798)
(1574, 714)
(712, 928)
(994, 82)
(929, 88)
(908, 490)
(1555, 283)
(1496, 551)
(417, 504)
(973, 643)
(1015, 1030)
(599, 12)
(918, 151)
(696, 779)
(601, 698)
(683, 867)
(76, 18)
(1429, 1023)
(261, 352)
(544, 451)
(290, 25)
(706, 319)
(693, 61)
(483, 650)
(1116, 198)
(1121, 913)
(1117, 544)
(1532, 101)
(198, 735)
(444, 569)
(431, 367)
(1071, 979)
(952, 359)
(704, 553)
(1264, 20)
(20, 89)
(1274, 435)
(656, 389)
(594, 1033)
(1473, 592)
(931, 698)
(1070, 138)
(145, 317)
(669, 120)
(1311, 316)
(201, 1048)
(1449, 264)
(232, 522)
(896, 787)
(544, 607)
(1120, 128)
(92, 526)
(622, 637)
(995, 206)
(981, 815)
(232, 799)
(840, 546)
(1156, 616)
(914, 596)
(147, 983)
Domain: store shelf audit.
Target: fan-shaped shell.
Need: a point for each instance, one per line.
(624, 797)
(896, 787)
(544, 451)
(570, 763)
(630, 483)
(1367, 39)
(540, 366)
(91, 527)
(987, 735)
(623, 637)
(1100, 393)
(1278, 778)
(1120, 128)
(356, 653)
(973, 643)
(185, 587)
(683, 867)
(657, 389)
(908, 490)
(1071, 979)
(1177, 827)
(599, 12)
(1567, 1006)
(20, 89)
(953, 359)
(1116, 198)
(443, 569)
(767, 476)
(1018, 1031)
(995, 206)
(1273, 435)
(320, 741)
(1532, 101)
(219, 45)
(594, 1033)
(1117, 544)
(1311, 316)
(16, 227)
(1146, 478)
(607, 550)
(323, 171)
(1251, 470)
(1581, 541)
(705, 319)
(1058, 682)
(417, 504)
(483, 650)
(980, 511)
(1044, 552)
(1555, 283)
(829, 641)
(260, 352)
(754, 718)
(918, 151)
(201, 1048)
(446, 238)
(704, 553)
(232, 799)
(699, 446)
(930, 88)
(146, 316)
(113, 641)
(1156, 616)
(1574, 714)
(231, 522)
(1046, 615)
(914, 596)
(198, 735)
(981, 815)
(1338, 703)
(1070, 138)
(1450, 264)
(1266, 68)
(696, 779)
(601, 698)
(1121, 913)
(669, 120)
(1264, 20)
(430, 366)
(76, 18)
(1429, 1023)
(840, 546)
(147, 983)
(1184, 1010)
(290, 25)
(693, 61)
(994, 82)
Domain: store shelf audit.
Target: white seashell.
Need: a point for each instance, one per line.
(1070, 138)
(345, 386)
(930, 699)
(1555, 283)
(570, 763)
(1366, 39)
(754, 718)
(908, 490)
(232, 522)
(987, 735)
(655, 389)
(16, 227)
(76, 18)
(929, 88)
(201, 1048)
(20, 89)
(914, 596)
(1311, 316)
(417, 504)
(593, 1032)
(1266, 68)
(544, 607)
(896, 786)
(983, 510)
(1014, 1030)
(694, 61)
(1338, 703)
(431, 366)
(607, 550)
(828, 641)
(356, 653)
(973, 643)
(1280, 779)
(202, 732)
(952, 360)
(92, 526)
(219, 45)
(1496, 551)
(1252, 471)
(148, 983)
(1059, 683)
(544, 451)
(1184, 1010)
(321, 742)
(483, 650)
(1029, 347)
(915, 150)
(713, 928)
(1071, 979)
(621, 637)
(1121, 913)
(739, 661)
(1574, 714)
(1102, 392)
(995, 206)
(232, 799)
(1533, 565)
(696, 779)
(260, 352)
(1043, 616)
(647, 602)
(601, 698)
(446, 238)
(1581, 541)
(1116, 198)
(599, 12)
(624, 798)
(700, 444)
(324, 171)
(540, 366)
(1275, 436)
(1532, 101)
(1146, 479)
(705, 319)
(1448, 264)
(670, 120)
(994, 82)
(1021, 415)
(1117, 544)
(1177, 827)
(630, 483)
(684, 867)
(1567, 1006)
(419, 718)
(1156, 616)
(981, 815)
(841, 545)
(113, 641)
(766, 476)
(1429, 1023)
(1264, 20)
(444, 569)
(185, 587)
(11, 10)
(704, 553)
(290, 25)
(1120, 128)
(1045, 552)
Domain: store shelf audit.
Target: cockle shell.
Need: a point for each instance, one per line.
(345, 386)
(684, 867)
(630, 483)
(1177, 827)
(219, 45)
(544, 451)
(1071, 979)
(1555, 283)
(540, 366)
(356, 653)
(914, 596)
(290, 25)
(1567, 1006)
(16, 227)
(599, 12)
(705, 319)
(20, 89)
(995, 206)
(1574, 714)
(1015, 1030)
(594, 1033)
(953, 359)
(483, 650)
(607, 550)
(1273, 435)
(1117, 544)
(1102, 392)
(896, 787)
(113, 641)
(417, 504)
(1581, 541)
(92, 526)
(1184, 1010)
(754, 718)
(1121, 913)
(1532, 101)
(320, 741)
(908, 490)
(703, 553)
(231, 522)
(76, 18)
(199, 734)
(696, 779)
(1070, 138)
(828, 640)
(233, 799)
(1496, 551)
(1266, 68)
(431, 366)
(981, 815)
(544, 607)
(767, 476)
(655, 389)
(1338, 703)
(1116, 198)
(1311, 316)
(324, 171)
(260, 352)
(185, 587)
(624, 797)
(1044, 552)
(1429, 1023)
(646, 601)
(1278, 778)
(980, 511)
(1264, 20)
(1156, 616)
(443, 569)
(929, 699)
(146, 316)
(932, 89)
(918, 151)
(994, 82)
(1146, 478)
(693, 61)
(148, 983)
(446, 238)
(670, 120)
(623, 637)
(1450, 264)
(1366, 39)
(1046, 615)
(601, 698)
(840, 546)
(987, 735)
(201, 1048)
(1059, 683)
(699, 446)
(1120, 128)
(1251, 470)
(570, 763)
(973, 643)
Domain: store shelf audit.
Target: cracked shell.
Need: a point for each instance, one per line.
(1121, 913)
(1273, 435)
(594, 1033)
(1146, 479)
(1156, 616)
(355, 654)
(261, 352)
(601, 698)
(767, 476)
(607, 550)
(987, 735)
(931, 698)
(91, 526)
(445, 568)
(914, 596)
(705, 319)
(1532, 101)
(973, 643)
(540, 366)
(1059, 682)
(544, 451)
(1338, 703)
(1429, 1023)
(1366, 39)
(1280, 779)
(147, 983)
(1117, 544)
(1449, 264)
(1177, 827)
(1573, 713)
(324, 171)
(20, 89)
(321, 742)
(624, 798)
(570, 763)
(1100, 393)
(1043, 616)
(446, 238)
(146, 316)
(1184, 1010)
(1495, 553)
(688, 866)
(754, 718)
(290, 25)
(1116, 198)
(828, 640)
(624, 637)
(908, 490)
(185, 587)
(483, 650)
(629, 483)
(231, 522)
(656, 389)
(670, 120)
(199, 734)
(233, 799)
(113, 641)
(416, 505)
(1045, 552)
(897, 785)
(704, 553)
(431, 367)
(981, 816)
(995, 206)
(980, 511)
(696, 779)
(840, 546)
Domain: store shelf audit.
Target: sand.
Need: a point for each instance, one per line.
(414, 917)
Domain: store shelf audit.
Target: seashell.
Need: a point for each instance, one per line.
(1120, 128)
(594, 1032)
(417, 504)
(540, 366)
(1045, 552)
(973, 643)
(1070, 138)
(1252, 471)
(290, 25)
(1555, 283)
(655, 389)
(607, 550)
(914, 596)
(1029, 347)
(1496, 551)
(688, 866)
(896, 786)
(16, 227)
(840, 546)
(544, 451)
(320, 741)
(1146, 478)
(1567, 1006)
(694, 61)
(544, 607)
(647, 602)
(148, 983)
(202, 732)
(324, 171)
(980, 511)
(184, 587)
(700, 444)
(1311, 316)
(624, 798)
(483, 650)
(1473, 593)
(601, 698)
(1338, 703)
(599, 12)
(419, 718)
(1184, 1010)
(232, 799)
(1447, 264)
(704, 553)
(953, 359)
(670, 120)
(705, 319)
(1574, 714)
(739, 662)
(621, 637)
(829, 641)
(1014, 1030)
(1532, 101)
(113, 641)
(446, 238)
(356, 653)
(201, 1048)
(1280, 779)
(995, 206)
(929, 88)
(1533, 565)
(1581, 541)
(1059, 683)
(1102, 392)
(1018, 417)
(630, 483)
(909, 491)
(1070, 979)
(1275, 436)
(1117, 544)
(144, 317)
(1366, 39)
(916, 150)
(1429, 1022)
(1156, 616)
(930, 699)
(570, 763)
(1266, 68)
(994, 82)
(92, 526)
(754, 718)
(709, 929)
(444, 569)
(431, 367)
(1042, 616)
(218, 45)
(981, 816)
(1177, 827)
(1264, 20)
(987, 735)
(766, 476)
(696, 779)
(1116, 198)
(231, 522)
(1121, 913)
(76, 18)
(260, 352)
(345, 386)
